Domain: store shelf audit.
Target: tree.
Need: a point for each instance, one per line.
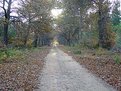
(73, 20)
(7, 11)
(116, 21)
(103, 22)
(36, 14)
(69, 26)
(26, 12)
(116, 16)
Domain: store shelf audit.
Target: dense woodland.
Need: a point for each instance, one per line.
(94, 23)
(91, 23)
(30, 27)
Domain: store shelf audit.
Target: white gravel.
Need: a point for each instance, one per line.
(62, 73)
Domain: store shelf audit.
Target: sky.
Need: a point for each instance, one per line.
(56, 12)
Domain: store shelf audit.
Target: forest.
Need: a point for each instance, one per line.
(81, 26)
(30, 23)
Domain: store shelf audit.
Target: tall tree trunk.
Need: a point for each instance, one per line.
(102, 26)
(102, 34)
(7, 18)
(6, 34)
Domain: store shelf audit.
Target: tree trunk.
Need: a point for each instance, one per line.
(7, 18)
(6, 34)
(102, 34)
(35, 41)
(26, 37)
(69, 42)
(103, 37)
(27, 32)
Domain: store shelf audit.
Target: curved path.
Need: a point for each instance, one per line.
(62, 73)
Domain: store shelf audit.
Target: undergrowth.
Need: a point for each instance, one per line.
(117, 59)
(74, 49)
(6, 54)
(11, 54)
(100, 52)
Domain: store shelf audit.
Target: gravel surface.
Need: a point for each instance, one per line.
(62, 73)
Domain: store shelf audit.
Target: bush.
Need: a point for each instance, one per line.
(75, 49)
(117, 59)
(10, 54)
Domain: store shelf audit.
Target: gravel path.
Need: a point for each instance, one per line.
(62, 73)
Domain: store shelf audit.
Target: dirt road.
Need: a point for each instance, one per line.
(62, 73)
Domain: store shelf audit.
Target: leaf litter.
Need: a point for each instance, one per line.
(22, 75)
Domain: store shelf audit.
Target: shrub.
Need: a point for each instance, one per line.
(10, 54)
(117, 59)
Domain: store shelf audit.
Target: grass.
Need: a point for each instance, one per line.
(12, 54)
(75, 49)
(98, 52)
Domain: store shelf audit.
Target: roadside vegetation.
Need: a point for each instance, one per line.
(10, 54)
(103, 63)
